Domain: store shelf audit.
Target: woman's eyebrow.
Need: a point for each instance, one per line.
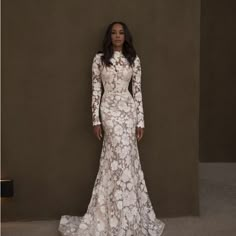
(121, 30)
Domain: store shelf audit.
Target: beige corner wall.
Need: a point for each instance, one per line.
(47, 143)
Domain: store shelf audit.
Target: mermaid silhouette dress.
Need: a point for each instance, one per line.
(120, 204)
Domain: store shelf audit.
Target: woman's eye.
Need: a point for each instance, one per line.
(118, 32)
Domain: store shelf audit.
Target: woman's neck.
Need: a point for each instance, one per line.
(117, 49)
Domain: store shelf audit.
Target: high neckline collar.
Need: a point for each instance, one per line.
(118, 52)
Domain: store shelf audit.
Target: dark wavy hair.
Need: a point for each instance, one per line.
(128, 49)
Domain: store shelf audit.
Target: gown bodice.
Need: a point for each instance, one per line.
(115, 79)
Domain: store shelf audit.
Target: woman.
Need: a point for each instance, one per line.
(120, 205)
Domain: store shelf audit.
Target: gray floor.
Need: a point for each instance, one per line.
(217, 205)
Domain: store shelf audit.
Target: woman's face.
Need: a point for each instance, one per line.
(117, 36)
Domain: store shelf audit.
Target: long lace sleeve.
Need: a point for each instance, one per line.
(137, 92)
(96, 89)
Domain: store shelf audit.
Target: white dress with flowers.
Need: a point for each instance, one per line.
(120, 205)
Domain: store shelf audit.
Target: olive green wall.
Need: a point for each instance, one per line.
(47, 143)
(218, 81)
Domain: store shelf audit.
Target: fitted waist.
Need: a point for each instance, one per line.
(125, 92)
(122, 94)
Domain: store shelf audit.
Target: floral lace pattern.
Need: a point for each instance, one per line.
(120, 204)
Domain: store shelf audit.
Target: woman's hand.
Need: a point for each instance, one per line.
(97, 130)
(139, 133)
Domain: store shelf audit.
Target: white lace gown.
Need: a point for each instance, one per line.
(120, 204)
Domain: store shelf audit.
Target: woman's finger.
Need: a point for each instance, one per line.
(100, 133)
(140, 132)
